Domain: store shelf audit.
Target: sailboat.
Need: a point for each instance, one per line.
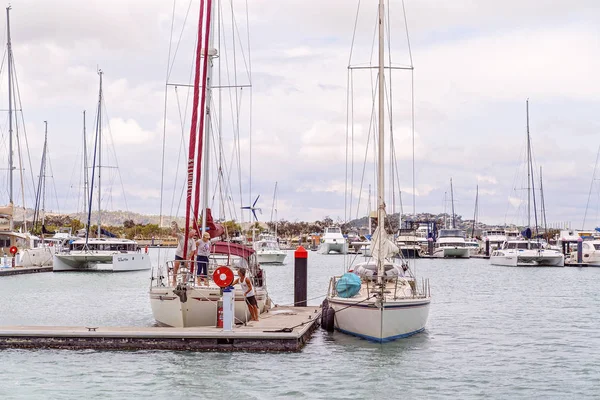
(379, 300)
(267, 246)
(527, 252)
(104, 252)
(451, 242)
(186, 303)
(12, 242)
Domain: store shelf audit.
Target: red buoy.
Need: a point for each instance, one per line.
(223, 276)
(13, 250)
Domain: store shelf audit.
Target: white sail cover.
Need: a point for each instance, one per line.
(388, 248)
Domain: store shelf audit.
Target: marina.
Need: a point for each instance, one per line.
(552, 329)
(425, 202)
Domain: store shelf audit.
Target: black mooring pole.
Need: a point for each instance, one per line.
(300, 276)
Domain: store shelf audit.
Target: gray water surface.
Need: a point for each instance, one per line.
(493, 332)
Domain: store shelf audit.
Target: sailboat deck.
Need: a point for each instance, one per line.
(271, 333)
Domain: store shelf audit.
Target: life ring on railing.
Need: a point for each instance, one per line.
(13, 250)
(223, 276)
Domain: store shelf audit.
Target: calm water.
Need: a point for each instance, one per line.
(493, 332)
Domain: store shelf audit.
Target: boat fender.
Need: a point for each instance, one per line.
(328, 319)
(181, 292)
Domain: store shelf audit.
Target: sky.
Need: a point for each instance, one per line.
(475, 65)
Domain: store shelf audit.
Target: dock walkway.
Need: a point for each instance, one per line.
(282, 329)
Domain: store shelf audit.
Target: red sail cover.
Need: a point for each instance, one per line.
(233, 249)
(215, 230)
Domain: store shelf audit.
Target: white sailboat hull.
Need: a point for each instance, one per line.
(101, 261)
(271, 257)
(200, 307)
(37, 257)
(394, 320)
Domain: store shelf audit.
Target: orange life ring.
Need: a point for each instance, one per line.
(223, 276)
(13, 250)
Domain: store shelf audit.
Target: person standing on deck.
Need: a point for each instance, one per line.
(203, 251)
(249, 295)
(179, 256)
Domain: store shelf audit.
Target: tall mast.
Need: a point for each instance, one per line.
(380, 174)
(543, 205)
(43, 177)
(475, 212)
(85, 166)
(452, 201)
(209, 54)
(10, 111)
(100, 73)
(528, 168)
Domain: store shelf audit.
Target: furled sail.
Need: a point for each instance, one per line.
(381, 239)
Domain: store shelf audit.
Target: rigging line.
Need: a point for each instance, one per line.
(164, 141)
(17, 96)
(177, 164)
(412, 95)
(114, 151)
(354, 34)
(54, 184)
(351, 141)
(346, 213)
(371, 131)
(237, 111)
(170, 64)
(591, 187)
(235, 30)
(390, 111)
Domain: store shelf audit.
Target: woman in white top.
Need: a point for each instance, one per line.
(248, 290)
(203, 252)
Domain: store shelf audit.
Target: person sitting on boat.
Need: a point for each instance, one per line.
(203, 251)
(248, 290)
(191, 249)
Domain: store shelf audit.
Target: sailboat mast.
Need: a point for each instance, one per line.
(100, 73)
(543, 206)
(43, 175)
(528, 168)
(475, 212)
(452, 202)
(380, 171)
(85, 166)
(10, 112)
(208, 67)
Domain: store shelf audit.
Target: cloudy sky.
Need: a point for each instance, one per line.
(475, 64)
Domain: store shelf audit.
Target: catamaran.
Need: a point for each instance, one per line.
(527, 252)
(104, 252)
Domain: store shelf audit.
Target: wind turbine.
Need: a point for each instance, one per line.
(253, 208)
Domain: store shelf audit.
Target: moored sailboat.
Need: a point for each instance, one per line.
(181, 300)
(378, 300)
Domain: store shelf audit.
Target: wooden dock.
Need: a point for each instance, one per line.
(282, 329)
(24, 270)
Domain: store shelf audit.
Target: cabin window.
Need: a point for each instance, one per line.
(4, 241)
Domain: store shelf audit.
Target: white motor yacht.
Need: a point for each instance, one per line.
(333, 241)
(268, 251)
(495, 237)
(451, 244)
